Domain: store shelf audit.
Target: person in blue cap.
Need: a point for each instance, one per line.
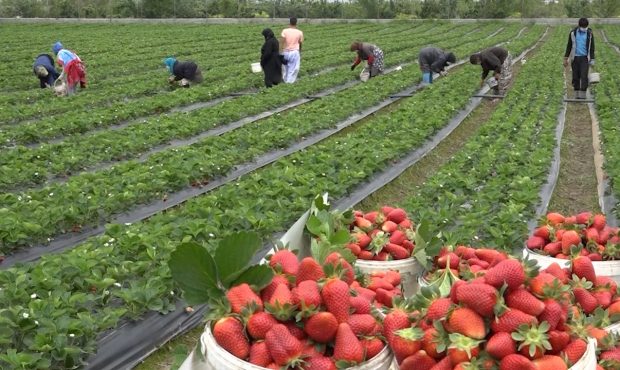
(183, 72)
(73, 70)
(43, 68)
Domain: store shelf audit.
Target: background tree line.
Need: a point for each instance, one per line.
(309, 8)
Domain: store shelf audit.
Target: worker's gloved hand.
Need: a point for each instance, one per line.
(592, 62)
(352, 66)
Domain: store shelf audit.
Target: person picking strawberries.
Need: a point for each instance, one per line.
(73, 70)
(372, 54)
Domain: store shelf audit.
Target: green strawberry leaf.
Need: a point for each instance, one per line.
(194, 270)
(234, 254)
(257, 276)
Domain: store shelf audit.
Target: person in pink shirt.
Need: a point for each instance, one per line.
(292, 39)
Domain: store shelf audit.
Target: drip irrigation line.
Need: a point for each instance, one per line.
(123, 348)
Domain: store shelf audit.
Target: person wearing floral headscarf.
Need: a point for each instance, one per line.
(184, 72)
(73, 70)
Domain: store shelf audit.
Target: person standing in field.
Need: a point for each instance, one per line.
(372, 54)
(183, 72)
(43, 68)
(291, 42)
(270, 59)
(434, 60)
(73, 70)
(580, 52)
(499, 61)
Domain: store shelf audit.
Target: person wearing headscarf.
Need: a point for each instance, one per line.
(184, 72)
(370, 53)
(499, 61)
(73, 70)
(434, 60)
(43, 68)
(270, 59)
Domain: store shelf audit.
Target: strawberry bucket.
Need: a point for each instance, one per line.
(602, 268)
(217, 358)
(409, 270)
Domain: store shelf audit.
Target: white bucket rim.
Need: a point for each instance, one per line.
(563, 261)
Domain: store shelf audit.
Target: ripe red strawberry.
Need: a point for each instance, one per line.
(550, 362)
(363, 223)
(259, 354)
(285, 349)
(398, 237)
(230, 335)
(570, 238)
(281, 304)
(488, 255)
(307, 294)
(259, 324)
(591, 234)
(335, 295)
(482, 298)
(552, 313)
(347, 347)
(389, 227)
(309, 269)
(585, 299)
(378, 282)
(397, 215)
(267, 292)
(392, 277)
(613, 355)
(553, 248)
(395, 320)
(535, 242)
(454, 288)
(286, 261)
(438, 309)
(319, 363)
(418, 361)
(386, 210)
(584, 218)
(363, 292)
(478, 262)
(406, 224)
(516, 362)
(599, 222)
(575, 350)
(336, 259)
(406, 342)
(429, 343)
(558, 340)
(510, 321)
(603, 298)
(396, 251)
(508, 271)
(374, 217)
(554, 218)
(540, 281)
(583, 268)
(525, 301)
(501, 345)
(557, 271)
(454, 259)
(466, 321)
(295, 329)
(372, 346)
(543, 232)
(363, 240)
(362, 324)
(321, 327)
(359, 305)
(241, 296)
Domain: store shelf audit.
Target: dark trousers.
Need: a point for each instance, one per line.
(580, 69)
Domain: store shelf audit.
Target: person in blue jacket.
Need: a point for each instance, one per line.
(43, 68)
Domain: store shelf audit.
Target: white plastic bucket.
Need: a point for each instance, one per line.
(594, 77)
(602, 268)
(365, 75)
(492, 82)
(218, 358)
(614, 328)
(256, 68)
(409, 270)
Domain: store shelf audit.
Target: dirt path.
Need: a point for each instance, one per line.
(576, 189)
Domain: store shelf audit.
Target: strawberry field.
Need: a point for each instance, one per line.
(100, 189)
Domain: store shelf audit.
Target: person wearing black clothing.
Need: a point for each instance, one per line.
(270, 59)
(432, 59)
(184, 72)
(499, 61)
(43, 68)
(580, 52)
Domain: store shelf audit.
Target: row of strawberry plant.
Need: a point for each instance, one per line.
(26, 166)
(607, 103)
(84, 121)
(488, 191)
(128, 262)
(100, 195)
(222, 65)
